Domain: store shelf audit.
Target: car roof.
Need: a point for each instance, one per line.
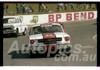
(9, 18)
(51, 23)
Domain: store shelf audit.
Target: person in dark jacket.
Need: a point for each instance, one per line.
(7, 9)
(31, 8)
(17, 8)
(65, 6)
(72, 8)
(21, 9)
(40, 7)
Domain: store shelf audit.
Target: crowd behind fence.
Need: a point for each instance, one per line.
(23, 8)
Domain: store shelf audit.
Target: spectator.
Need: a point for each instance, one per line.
(21, 9)
(45, 8)
(61, 6)
(65, 6)
(23, 6)
(40, 7)
(7, 9)
(79, 6)
(17, 7)
(31, 8)
(26, 9)
(72, 8)
(58, 6)
(90, 5)
(86, 5)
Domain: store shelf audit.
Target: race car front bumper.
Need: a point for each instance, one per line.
(51, 47)
(9, 31)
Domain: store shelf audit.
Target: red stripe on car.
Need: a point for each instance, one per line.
(48, 35)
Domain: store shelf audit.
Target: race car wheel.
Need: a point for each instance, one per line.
(68, 54)
(16, 34)
(24, 33)
(68, 51)
(30, 53)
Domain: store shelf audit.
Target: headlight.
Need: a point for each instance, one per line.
(12, 27)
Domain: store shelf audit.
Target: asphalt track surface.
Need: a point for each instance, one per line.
(81, 32)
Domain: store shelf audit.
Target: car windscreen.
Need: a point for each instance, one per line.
(9, 20)
(46, 29)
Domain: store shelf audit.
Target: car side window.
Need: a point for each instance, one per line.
(17, 20)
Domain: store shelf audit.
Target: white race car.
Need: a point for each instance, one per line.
(14, 25)
(48, 36)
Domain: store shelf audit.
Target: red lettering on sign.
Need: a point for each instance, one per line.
(90, 15)
(51, 18)
(83, 16)
(76, 16)
(58, 16)
(68, 17)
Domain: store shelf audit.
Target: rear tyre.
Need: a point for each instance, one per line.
(24, 33)
(30, 54)
(68, 54)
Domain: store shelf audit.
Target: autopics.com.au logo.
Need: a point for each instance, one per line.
(77, 54)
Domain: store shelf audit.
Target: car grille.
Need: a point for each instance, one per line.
(6, 29)
(49, 40)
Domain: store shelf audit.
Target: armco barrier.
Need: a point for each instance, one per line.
(58, 17)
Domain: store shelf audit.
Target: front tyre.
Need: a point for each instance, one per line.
(16, 34)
